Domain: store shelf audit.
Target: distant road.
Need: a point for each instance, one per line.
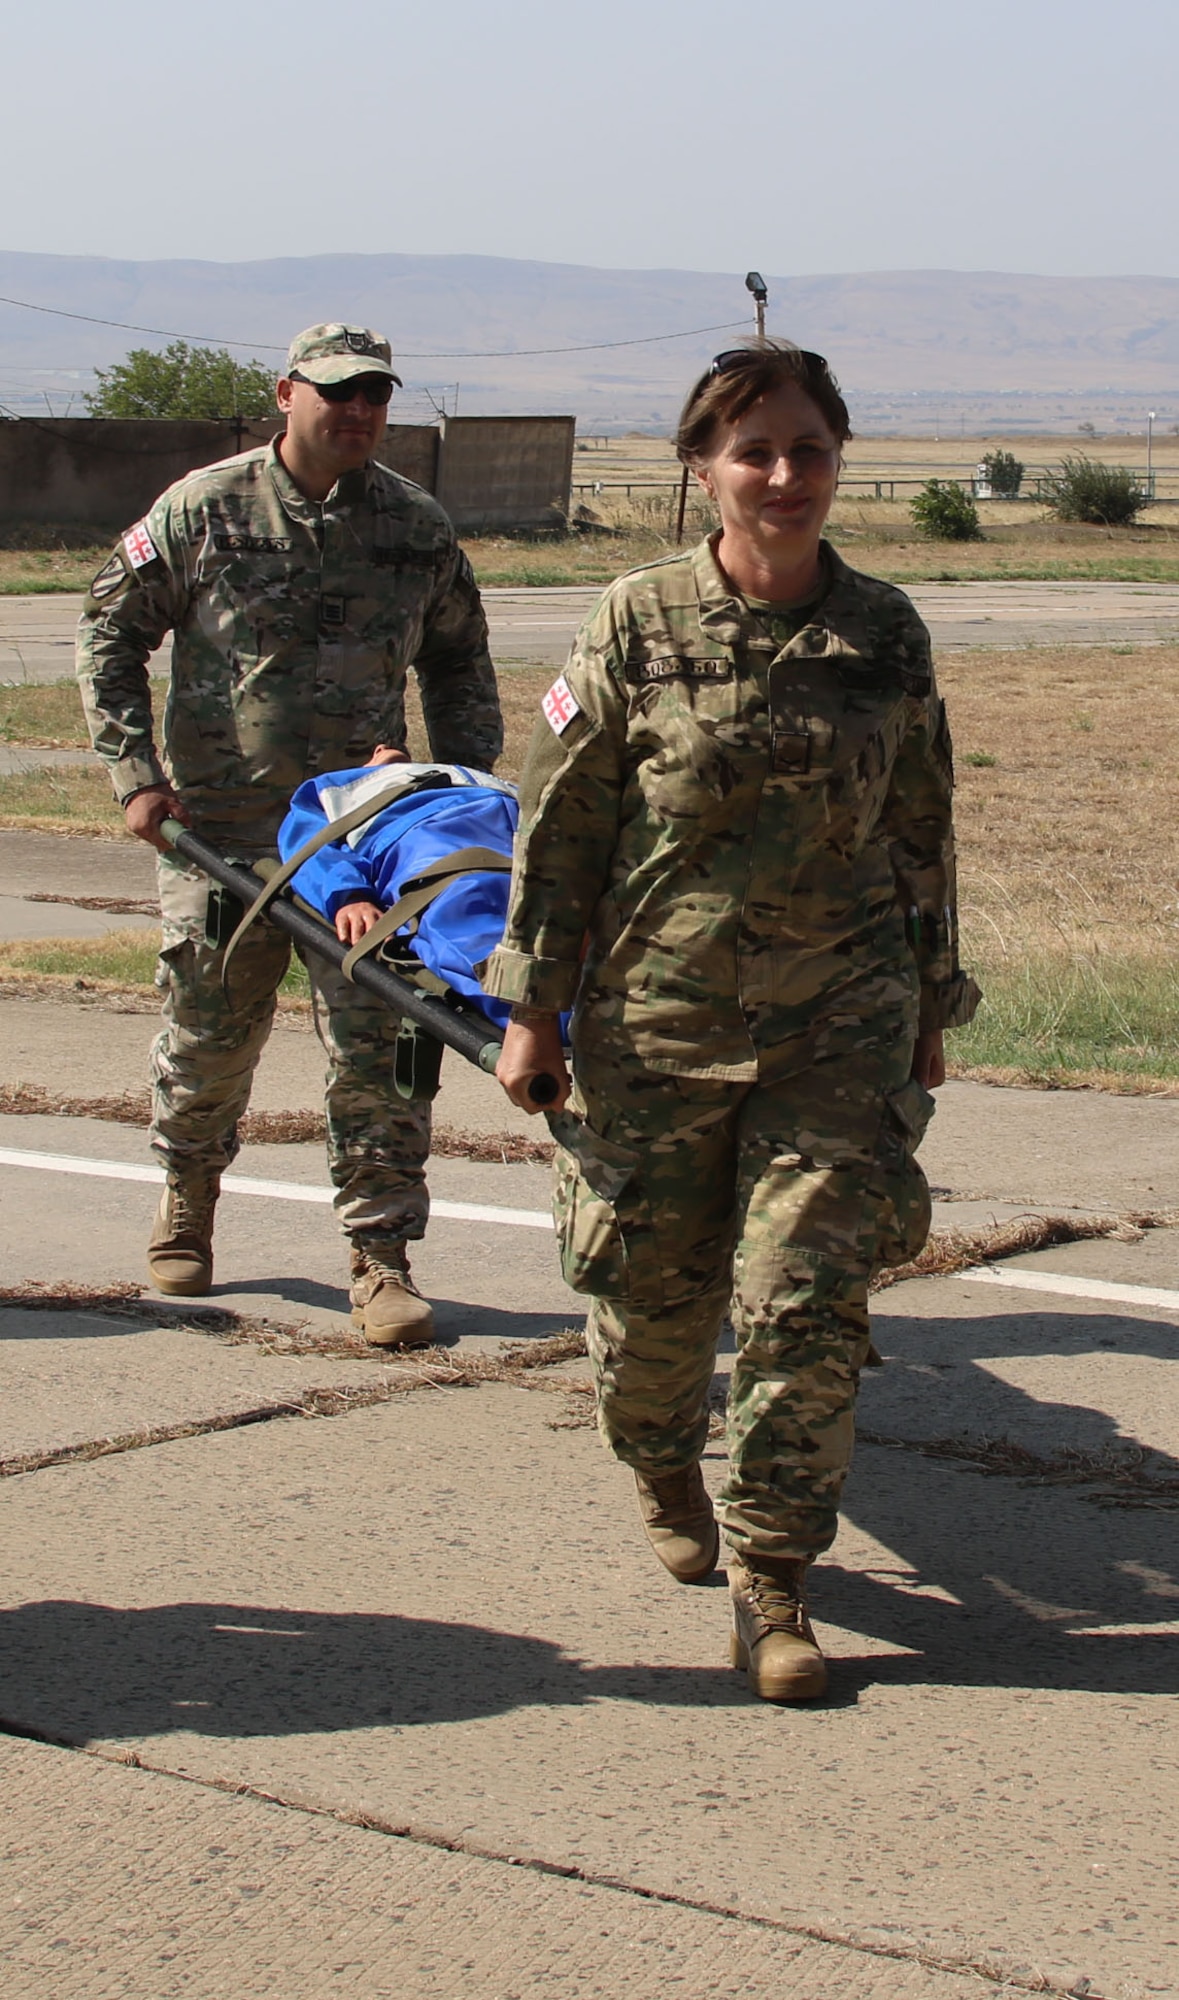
(534, 627)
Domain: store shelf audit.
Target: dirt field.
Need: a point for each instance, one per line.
(867, 460)
(1068, 844)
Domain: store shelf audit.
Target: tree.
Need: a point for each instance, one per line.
(1084, 489)
(943, 511)
(1005, 473)
(183, 381)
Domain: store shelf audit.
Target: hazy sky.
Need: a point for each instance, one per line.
(1021, 135)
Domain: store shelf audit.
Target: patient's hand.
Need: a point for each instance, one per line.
(354, 919)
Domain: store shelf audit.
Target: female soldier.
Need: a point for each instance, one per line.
(736, 858)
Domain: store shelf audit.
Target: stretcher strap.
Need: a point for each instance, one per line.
(421, 892)
(336, 829)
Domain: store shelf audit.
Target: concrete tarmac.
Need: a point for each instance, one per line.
(409, 1705)
(536, 627)
(397, 1701)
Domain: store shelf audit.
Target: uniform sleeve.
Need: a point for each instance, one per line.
(918, 821)
(570, 799)
(138, 596)
(460, 700)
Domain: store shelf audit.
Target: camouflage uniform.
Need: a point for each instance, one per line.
(748, 823)
(294, 625)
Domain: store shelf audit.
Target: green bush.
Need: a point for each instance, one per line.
(1107, 496)
(183, 381)
(1005, 473)
(943, 511)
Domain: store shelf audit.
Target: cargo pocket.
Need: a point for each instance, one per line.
(903, 1207)
(603, 1222)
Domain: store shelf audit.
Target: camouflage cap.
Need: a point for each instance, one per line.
(335, 353)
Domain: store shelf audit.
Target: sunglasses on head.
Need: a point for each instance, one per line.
(740, 357)
(376, 389)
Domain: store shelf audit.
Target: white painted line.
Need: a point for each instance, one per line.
(118, 1170)
(1072, 1288)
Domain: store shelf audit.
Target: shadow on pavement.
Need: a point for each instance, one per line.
(454, 1319)
(996, 1579)
(80, 1672)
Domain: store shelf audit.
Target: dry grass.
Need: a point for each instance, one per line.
(36, 557)
(949, 1251)
(401, 1374)
(265, 1128)
(520, 691)
(67, 801)
(1121, 1473)
(1069, 860)
(1074, 823)
(44, 715)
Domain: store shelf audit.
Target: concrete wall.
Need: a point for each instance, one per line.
(412, 450)
(497, 473)
(106, 470)
(490, 472)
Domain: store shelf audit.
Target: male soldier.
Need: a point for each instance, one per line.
(300, 582)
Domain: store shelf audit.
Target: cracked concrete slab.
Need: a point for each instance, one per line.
(121, 1881)
(438, 1613)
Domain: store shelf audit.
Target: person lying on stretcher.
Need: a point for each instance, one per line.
(423, 815)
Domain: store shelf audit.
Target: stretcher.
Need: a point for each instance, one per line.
(435, 1022)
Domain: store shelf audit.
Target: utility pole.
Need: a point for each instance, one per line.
(1149, 454)
(755, 283)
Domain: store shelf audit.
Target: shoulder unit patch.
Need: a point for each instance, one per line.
(139, 546)
(560, 705)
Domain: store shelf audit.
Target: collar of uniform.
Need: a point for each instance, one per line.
(721, 612)
(348, 491)
(839, 625)
(842, 615)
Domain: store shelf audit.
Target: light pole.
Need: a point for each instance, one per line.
(1149, 453)
(755, 283)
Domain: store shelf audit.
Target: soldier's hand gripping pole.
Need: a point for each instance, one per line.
(473, 1036)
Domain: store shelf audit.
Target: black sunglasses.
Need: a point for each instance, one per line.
(740, 357)
(376, 389)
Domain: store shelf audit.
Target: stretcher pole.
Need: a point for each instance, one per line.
(473, 1036)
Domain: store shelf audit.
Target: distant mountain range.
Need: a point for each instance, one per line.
(909, 346)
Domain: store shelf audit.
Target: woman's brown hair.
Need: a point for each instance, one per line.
(735, 380)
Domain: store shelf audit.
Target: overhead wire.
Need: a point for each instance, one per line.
(457, 354)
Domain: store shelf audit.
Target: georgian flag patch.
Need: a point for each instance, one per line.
(139, 546)
(560, 705)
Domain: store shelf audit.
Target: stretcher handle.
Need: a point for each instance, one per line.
(470, 1034)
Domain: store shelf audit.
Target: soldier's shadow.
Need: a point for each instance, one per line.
(75, 1672)
(1056, 1569)
(454, 1319)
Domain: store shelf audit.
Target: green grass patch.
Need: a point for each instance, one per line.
(68, 801)
(34, 571)
(124, 958)
(121, 958)
(40, 715)
(1055, 1018)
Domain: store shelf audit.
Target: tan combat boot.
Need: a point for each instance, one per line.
(772, 1637)
(180, 1254)
(681, 1527)
(386, 1304)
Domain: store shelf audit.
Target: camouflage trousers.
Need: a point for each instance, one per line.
(678, 1199)
(203, 1063)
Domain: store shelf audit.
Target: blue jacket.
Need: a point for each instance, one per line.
(444, 807)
